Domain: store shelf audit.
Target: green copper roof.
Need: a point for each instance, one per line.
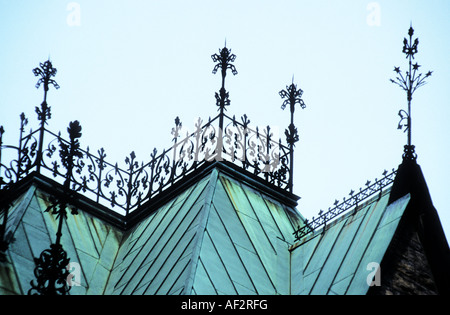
(222, 235)
(90, 244)
(205, 240)
(342, 257)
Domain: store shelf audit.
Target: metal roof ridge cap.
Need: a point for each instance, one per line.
(200, 233)
(239, 174)
(23, 206)
(140, 213)
(339, 218)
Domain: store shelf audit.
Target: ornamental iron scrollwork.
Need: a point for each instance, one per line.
(125, 187)
(409, 82)
(51, 267)
(51, 272)
(45, 71)
(224, 61)
(292, 96)
(338, 208)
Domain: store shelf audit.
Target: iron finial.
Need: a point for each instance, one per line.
(224, 60)
(292, 97)
(51, 266)
(409, 82)
(45, 71)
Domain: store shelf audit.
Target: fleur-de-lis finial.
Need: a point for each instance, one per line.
(409, 82)
(292, 96)
(51, 267)
(224, 61)
(45, 71)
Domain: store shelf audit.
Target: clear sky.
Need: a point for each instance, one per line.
(128, 68)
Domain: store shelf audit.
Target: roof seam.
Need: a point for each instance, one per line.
(173, 266)
(264, 231)
(221, 260)
(108, 282)
(258, 219)
(148, 239)
(207, 274)
(248, 235)
(189, 284)
(367, 246)
(328, 255)
(28, 197)
(238, 254)
(350, 245)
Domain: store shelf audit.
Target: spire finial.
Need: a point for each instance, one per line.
(45, 71)
(409, 83)
(51, 267)
(293, 96)
(224, 60)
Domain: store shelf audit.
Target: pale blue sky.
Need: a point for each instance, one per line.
(130, 67)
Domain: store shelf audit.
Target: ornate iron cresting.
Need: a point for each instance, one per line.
(224, 60)
(340, 207)
(45, 72)
(128, 186)
(293, 97)
(51, 267)
(409, 83)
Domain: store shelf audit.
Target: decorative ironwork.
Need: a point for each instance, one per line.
(51, 272)
(224, 60)
(409, 82)
(293, 97)
(126, 187)
(45, 72)
(341, 207)
(51, 266)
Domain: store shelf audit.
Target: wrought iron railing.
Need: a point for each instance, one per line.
(340, 207)
(128, 186)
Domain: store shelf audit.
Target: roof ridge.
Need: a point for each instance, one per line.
(15, 213)
(340, 207)
(214, 177)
